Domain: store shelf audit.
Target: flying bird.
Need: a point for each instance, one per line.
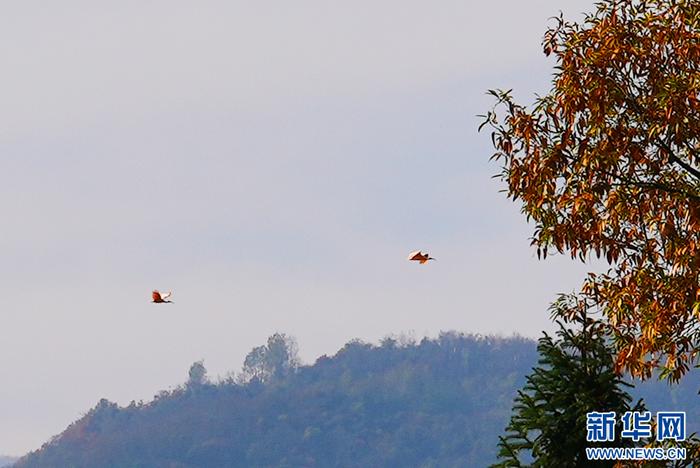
(157, 298)
(420, 257)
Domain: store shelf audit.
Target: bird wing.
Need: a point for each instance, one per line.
(156, 296)
(170, 293)
(417, 255)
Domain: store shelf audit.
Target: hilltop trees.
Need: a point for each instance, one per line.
(438, 403)
(608, 163)
(197, 375)
(275, 359)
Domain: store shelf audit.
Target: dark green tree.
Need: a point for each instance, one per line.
(575, 375)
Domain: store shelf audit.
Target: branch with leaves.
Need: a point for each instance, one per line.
(608, 164)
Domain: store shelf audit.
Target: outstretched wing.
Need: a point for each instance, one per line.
(170, 293)
(417, 255)
(156, 296)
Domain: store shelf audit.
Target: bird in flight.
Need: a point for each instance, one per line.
(157, 298)
(420, 257)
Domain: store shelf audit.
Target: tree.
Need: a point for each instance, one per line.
(275, 359)
(575, 375)
(608, 163)
(197, 375)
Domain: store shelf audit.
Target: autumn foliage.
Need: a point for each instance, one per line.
(607, 164)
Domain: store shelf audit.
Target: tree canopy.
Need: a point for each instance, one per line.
(274, 360)
(197, 375)
(607, 163)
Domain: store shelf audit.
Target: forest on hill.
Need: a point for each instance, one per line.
(438, 403)
(6, 461)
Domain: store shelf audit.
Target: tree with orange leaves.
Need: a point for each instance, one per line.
(608, 164)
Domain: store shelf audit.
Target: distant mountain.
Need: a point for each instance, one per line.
(6, 461)
(439, 403)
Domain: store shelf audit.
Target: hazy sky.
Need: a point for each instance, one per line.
(272, 163)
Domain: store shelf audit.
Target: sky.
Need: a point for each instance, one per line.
(271, 163)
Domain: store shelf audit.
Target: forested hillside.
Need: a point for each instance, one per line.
(439, 403)
(6, 461)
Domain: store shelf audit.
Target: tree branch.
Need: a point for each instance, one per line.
(694, 172)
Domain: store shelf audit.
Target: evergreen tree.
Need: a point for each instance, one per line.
(575, 375)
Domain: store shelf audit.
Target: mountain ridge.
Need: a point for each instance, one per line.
(441, 402)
